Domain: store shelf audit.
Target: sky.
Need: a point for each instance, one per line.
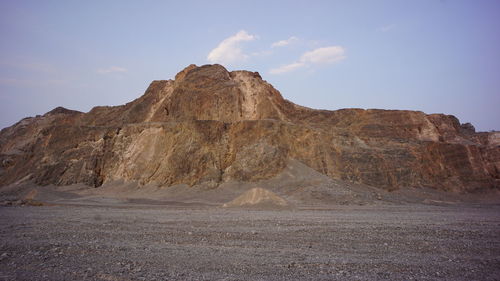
(428, 55)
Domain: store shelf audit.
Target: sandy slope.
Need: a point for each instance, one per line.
(298, 184)
(258, 198)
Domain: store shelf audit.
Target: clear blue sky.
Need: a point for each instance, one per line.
(429, 55)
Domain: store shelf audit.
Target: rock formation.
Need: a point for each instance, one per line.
(210, 126)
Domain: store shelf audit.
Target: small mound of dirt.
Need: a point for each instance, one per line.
(27, 200)
(31, 195)
(22, 202)
(258, 198)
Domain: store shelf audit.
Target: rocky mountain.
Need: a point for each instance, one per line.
(210, 126)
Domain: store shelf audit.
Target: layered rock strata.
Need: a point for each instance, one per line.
(211, 126)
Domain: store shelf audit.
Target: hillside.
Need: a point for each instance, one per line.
(209, 126)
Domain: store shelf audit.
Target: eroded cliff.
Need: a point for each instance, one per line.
(211, 126)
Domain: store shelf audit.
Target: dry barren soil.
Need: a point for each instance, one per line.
(141, 240)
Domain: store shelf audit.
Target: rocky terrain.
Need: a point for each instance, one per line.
(139, 241)
(210, 126)
(299, 225)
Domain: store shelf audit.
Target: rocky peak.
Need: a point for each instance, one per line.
(61, 110)
(210, 92)
(179, 76)
(200, 75)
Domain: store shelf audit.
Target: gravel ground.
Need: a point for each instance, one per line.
(151, 242)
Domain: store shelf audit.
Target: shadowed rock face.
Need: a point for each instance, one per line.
(211, 126)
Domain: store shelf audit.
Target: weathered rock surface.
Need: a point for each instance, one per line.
(212, 126)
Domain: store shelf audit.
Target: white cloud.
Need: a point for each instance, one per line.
(284, 42)
(325, 55)
(286, 68)
(229, 50)
(111, 69)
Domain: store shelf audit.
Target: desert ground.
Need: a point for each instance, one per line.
(77, 233)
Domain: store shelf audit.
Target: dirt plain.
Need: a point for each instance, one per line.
(80, 237)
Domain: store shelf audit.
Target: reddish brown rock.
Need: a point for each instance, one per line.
(211, 126)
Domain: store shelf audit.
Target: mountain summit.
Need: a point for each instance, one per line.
(210, 126)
